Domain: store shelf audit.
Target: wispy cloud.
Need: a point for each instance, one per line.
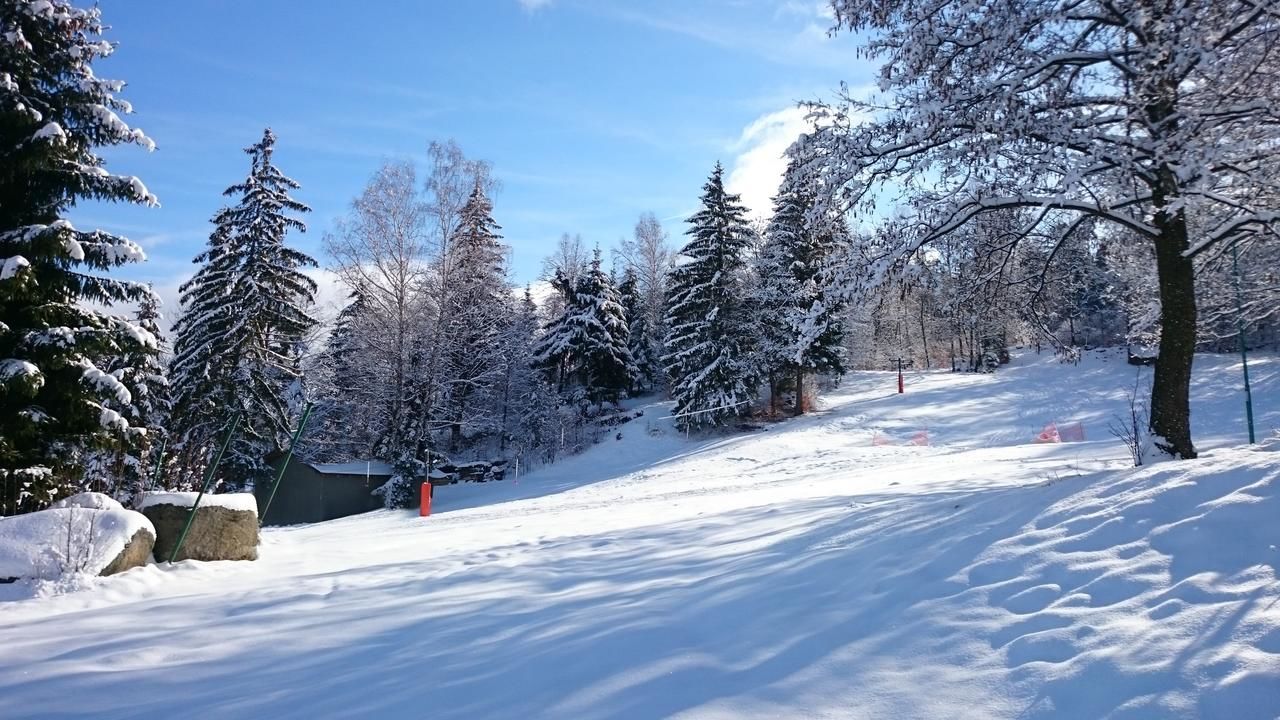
(796, 34)
(757, 169)
(533, 5)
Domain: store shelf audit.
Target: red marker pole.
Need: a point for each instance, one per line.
(426, 499)
(901, 389)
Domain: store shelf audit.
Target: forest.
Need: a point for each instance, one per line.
(1094, 175)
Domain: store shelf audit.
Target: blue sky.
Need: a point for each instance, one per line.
(592, 111)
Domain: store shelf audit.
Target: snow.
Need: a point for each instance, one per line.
(52, 132)
(354, 468)
(73, 248)
(796, 572)
(46, 546)
(14, 367)
(90, 501)
(12, 265)
(104, 382)
(111, 420)
(230, 501)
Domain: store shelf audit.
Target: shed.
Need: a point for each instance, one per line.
(313, 492)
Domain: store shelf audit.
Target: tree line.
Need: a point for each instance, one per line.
(1098, 179)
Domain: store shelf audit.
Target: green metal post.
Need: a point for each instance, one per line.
(155, 478)
(302, 423)
(1244, 353)
(208, 478)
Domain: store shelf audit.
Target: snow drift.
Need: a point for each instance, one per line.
(796, 572)
(85, 535)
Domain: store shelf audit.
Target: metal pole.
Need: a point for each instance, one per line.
(302, 423)
(208, 478)
(155, 477)
(1244, 353)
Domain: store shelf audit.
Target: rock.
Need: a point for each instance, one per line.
(135, 553)
(217, 533)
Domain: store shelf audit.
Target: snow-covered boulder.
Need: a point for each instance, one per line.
(49, 544)
(89, 500)
(225, 526)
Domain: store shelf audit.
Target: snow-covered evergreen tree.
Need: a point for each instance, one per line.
(556, 348)
(54, 115)
(610, 370)
(128, 466)
(341, 427)
(709, 339)
(801, 319)
(528, 415)
(244, 315)
(585, 347)
(640, 333)
(478, 306)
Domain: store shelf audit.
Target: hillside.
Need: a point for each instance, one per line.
(799, 571)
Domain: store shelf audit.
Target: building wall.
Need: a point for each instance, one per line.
(307, 496)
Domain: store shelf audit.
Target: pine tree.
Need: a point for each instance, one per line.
(556, 350)
(610, 370)
(802, 328)
(341, 429)
(133, 457)
(529, 403)
(54, 114)
(586, 344)
(641, 341)
(478, 306)
(709, 342)
(244, 317)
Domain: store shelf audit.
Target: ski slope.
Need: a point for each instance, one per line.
(800, 571)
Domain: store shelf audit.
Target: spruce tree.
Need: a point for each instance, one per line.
(641, 341)
(709, 339)
(557, 348)
(129, 464)
(585, 346)
(801, 322)
(609, 369)
(341, 429)
(529, 403)
(54, 115)
(245, 313)
(478, 305)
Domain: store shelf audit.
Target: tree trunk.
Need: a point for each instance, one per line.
(1171, 389)
(799, 391)
(924, 336)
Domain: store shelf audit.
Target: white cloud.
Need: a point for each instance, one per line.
(757, 169)
(331, 296)
(793, 33)
(533, 5)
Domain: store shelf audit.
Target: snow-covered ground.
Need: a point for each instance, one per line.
(796, 572)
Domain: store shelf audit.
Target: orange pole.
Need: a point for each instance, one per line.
(426, 499)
